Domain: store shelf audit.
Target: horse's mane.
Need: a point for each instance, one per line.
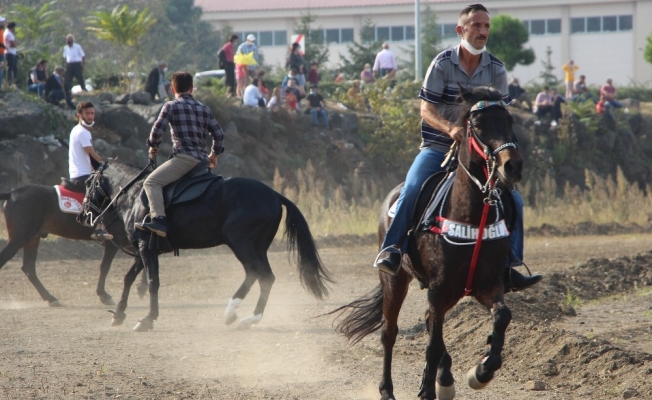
(122, 173)
(470, 96)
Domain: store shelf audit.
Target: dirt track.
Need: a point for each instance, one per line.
(73, 353)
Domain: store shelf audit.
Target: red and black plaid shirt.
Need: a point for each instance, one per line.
(189, 120)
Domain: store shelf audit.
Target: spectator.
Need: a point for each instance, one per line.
(291, 75)
(340, 77)
(367, 76)
(229, 68)
(55, 88)
(249, 47)
(317, 107)
(313, 74)
(275, 100)
(10, 53)
(290, 102)
(292, 85)
(36, 78)
(543, 104)
(261, 85)
(581, 91)
(557, 100)
(252, 96)
(2, 49)
(599, 106)
(385, 63)
(241, 75)
(355, 95)
(608, 93)
(297, 64)
(519, 95)
(157, 85)
(570, 69)
(75, 59)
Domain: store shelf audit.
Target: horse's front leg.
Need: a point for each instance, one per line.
(478, 377)
(109, 253)
(119, 314)
(150, 260)
(437, 359)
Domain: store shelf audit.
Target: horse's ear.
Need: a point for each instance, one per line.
(465, 92)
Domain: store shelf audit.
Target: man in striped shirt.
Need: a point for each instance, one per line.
(189, 120)
(466, 64)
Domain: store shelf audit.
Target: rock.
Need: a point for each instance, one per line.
(123, 98)
(101, 146)
(335, 119)
(19, 117)
(232, 140)
(349, 123)
(535, 385)
(141, 97)
(125, 122)
(568, 310)
(629, 393)
(107, 97)
(230, 165)
(25, 160)
(247, 120)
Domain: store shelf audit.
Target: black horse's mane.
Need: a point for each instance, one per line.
(471, 96)
(124, 173)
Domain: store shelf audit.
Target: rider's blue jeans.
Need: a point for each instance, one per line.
(426, 163)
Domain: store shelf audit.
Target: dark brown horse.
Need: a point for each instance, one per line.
(31, 213)
(441, 264)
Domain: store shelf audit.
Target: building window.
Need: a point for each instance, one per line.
(409, 32)
(625, 23)
(317, 36)
(280, 38)
(543, 26)
(266, 38)
(577, 25)
(382, 33)
(347, 35)
(553, 25)
(538, 27)
(610, 24)
(448, 30)
(332, 35)
(398, 33)
(593, 24)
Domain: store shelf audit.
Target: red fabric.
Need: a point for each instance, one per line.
(291, 100)
(229, 51)
(313, 76)
(67, 193)
(599, 107)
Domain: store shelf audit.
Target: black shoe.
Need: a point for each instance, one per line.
(157, 225)
(515, 281)
(389, 264)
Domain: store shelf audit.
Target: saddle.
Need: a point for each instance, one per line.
(188, 187)
(78, 187)
(70, 201)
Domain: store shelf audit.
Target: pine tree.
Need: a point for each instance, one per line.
(363, 52)
(315, 49)
(548, 73)
(430, 43)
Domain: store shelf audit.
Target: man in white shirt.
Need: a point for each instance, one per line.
(11, 45)
(385, 63)
(81, 150)
(75, 58)
(252, 96)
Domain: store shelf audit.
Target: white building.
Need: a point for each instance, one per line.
(605, 38)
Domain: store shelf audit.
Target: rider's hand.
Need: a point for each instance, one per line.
(153, 151)
(212, 158)
(457, 133)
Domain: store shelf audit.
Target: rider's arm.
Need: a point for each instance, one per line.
(432, 117)
(216, 133)
(159, 127)
(90, 151)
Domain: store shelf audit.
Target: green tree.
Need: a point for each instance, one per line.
(548, 75)
(363, 52)
(430, 43)
(315, 48)
(508, 35)
(123, 28)
(648, 50)
(37, 26)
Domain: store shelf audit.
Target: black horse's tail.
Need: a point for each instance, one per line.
(365, 316)
(312, 272)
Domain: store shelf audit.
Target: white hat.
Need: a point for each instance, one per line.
(2, 19)
(251, 37)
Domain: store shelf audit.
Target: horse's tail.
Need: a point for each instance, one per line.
(365, 316)
(312, 272)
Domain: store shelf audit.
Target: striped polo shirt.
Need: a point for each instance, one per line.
(440, 87)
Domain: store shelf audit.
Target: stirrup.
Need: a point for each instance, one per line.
(101, 235)
(387, 249)
(139, 225)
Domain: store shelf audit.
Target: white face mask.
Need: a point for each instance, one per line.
(471, 49)
(86, 124)
(165, 69)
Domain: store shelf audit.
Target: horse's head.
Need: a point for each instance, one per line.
(489, 138)
(97, 199)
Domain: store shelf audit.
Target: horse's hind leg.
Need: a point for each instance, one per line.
(395, 288)
(150, 260)
(109, 253)
(30, 251)
(119, 314)
(478, 377)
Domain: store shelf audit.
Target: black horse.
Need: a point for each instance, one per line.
(242, 213)
(31, 213)
(442, 264)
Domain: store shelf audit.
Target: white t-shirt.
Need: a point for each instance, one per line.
(9, 37)
(73, 54)
(79, 161)
(251, 96)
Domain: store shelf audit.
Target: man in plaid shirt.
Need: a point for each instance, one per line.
(188, 120)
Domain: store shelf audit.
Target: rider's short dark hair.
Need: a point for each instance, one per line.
(473, 8)
(11, 25)
(181, 81)
(82, 105)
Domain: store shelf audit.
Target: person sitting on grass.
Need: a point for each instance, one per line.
(316, 107)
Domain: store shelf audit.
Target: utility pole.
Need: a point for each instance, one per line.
(418, 72)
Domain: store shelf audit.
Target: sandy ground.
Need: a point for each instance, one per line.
(73, 353)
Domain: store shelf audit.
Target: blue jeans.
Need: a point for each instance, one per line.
(428, 162)
(39, 88)
(315, 116)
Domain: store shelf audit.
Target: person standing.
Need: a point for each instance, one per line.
(156, 83)
(2, 50)
(385, 63)
(313, 74)
(570, 69)
(470, 64)
(11, 55)
(248, 47)
(229, 67)
(75, 59)
(189, 120)
(296, 63)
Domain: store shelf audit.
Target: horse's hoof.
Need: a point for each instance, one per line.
(144, 324)
(246, 323)
(55, 303)
(116, 322)
(142, 290)
(445, 392)
(107, 300)
(230, 318)
(118, 317)
(473, 380)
